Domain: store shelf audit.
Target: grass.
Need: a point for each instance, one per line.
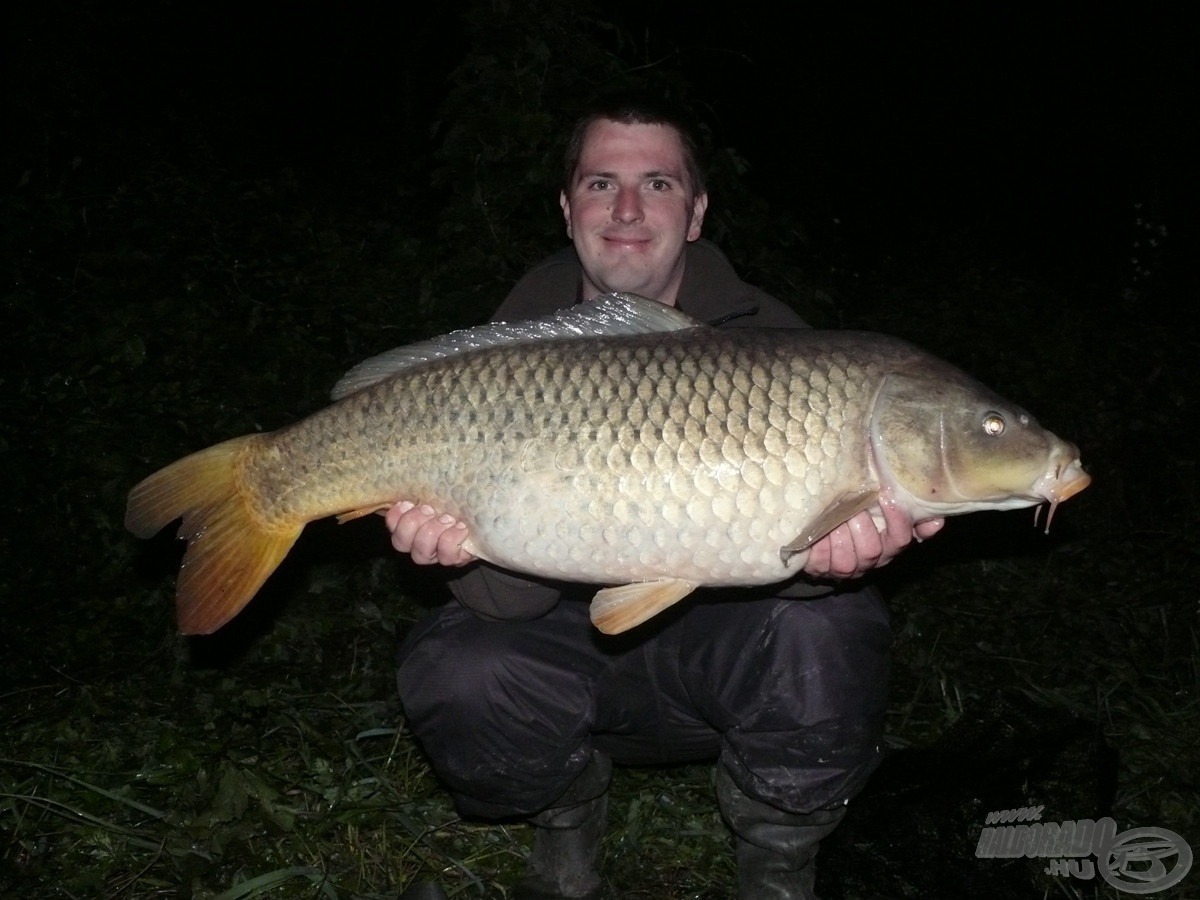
(164, 304)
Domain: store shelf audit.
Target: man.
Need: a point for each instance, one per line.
(521, 706)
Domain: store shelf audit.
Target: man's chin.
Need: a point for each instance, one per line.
(628, 282)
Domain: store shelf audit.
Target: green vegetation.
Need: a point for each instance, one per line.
(160, 298)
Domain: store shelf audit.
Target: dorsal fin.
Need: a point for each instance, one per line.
(608, 314)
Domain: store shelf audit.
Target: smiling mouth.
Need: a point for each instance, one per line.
(626, 240)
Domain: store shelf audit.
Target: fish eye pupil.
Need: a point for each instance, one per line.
(993, 424)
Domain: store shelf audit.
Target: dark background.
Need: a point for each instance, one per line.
(1038, 132)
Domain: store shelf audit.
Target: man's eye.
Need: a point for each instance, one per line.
(659, 184)
(599, 184)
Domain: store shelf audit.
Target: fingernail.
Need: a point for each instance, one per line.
(405, 505)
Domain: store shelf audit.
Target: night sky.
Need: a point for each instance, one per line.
(1036, 131)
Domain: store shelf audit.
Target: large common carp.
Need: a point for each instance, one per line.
(619, 443)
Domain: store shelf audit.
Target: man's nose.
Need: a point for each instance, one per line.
(628, 206)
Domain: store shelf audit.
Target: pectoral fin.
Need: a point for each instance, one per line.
(837, 512)
(618, 609)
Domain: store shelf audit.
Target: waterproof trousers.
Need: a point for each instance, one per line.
(788, 693)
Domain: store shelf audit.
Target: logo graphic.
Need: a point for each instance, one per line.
(1137, 861)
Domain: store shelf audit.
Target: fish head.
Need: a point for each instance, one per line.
(948, 445)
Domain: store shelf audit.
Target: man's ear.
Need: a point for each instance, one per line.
(565, 204)
(699, 206)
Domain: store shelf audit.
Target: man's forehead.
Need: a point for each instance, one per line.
(651, 149)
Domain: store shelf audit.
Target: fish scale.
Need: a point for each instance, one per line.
(662, 457)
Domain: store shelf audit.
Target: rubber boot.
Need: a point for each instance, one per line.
(564, 864)
(776, 850)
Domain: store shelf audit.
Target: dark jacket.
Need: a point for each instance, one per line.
(711, 292)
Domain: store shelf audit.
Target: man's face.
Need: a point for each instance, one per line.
(630, 210)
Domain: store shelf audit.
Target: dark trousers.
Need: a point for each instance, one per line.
(788, 693)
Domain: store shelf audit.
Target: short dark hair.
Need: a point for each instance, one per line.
(637, 109)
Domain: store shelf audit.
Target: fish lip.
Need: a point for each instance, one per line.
(1068, 489)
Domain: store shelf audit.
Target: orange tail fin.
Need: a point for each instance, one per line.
(231, 549)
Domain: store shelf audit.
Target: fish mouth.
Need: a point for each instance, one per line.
(1064, 483)
(1066, 479)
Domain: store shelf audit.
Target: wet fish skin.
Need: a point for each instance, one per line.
(657, 461)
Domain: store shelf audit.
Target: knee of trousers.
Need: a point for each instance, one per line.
(484, 675)
(832, 653)
(810, 724)
(505, 728)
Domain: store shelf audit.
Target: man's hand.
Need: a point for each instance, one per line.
(866, 542)
(850, 550)
(428, 537)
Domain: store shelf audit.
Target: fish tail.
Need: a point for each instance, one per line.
(232, 546)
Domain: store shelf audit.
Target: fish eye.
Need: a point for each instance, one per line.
(993, 424)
